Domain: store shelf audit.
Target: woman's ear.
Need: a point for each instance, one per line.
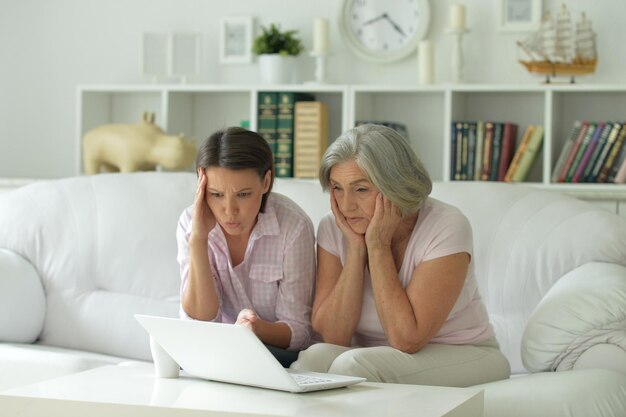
(267, 180)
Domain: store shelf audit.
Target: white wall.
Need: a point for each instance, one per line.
(48, 47)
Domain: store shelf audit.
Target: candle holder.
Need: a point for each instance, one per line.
(320, 67)
(456, 60)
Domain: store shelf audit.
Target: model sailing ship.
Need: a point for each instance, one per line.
(556, 50)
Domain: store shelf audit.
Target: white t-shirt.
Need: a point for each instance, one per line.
(440, 230)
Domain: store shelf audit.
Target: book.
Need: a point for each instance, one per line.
(487, 144)
(586, 157)
(464, 150)
(530, 154)
(478, 150)
(453, 139)
(569, 142)
(580, 151)
(495, 151)
(593, 176)
(310, 137)
(458, 151)
(471, 150)
(618, 163)
(523, 143)
(620, 177)
(507, 149)
(573, 151)
(586, 177)
(267, 118)
(610, 159)
(283, 159)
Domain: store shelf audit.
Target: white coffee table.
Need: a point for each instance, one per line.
(134, 391)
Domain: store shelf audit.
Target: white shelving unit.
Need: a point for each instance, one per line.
(199, 109)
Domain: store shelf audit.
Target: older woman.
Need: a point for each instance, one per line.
(246, 255)
(396, 297)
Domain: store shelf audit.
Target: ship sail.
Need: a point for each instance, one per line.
(564, 42)
(548, 37)
(585, 40)
(557, 50)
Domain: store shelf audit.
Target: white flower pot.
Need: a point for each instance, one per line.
(277, 69)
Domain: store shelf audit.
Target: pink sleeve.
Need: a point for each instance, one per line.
(450, 234)
(182, 239)
(295, 295)
(327, 237)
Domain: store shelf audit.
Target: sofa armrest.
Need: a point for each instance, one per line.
(585, 308)
(22, 299)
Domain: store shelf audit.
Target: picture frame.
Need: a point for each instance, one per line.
(236, 40)
(519, 15)
(155, 55)
(185, 54)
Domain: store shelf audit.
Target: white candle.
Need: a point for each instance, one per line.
(320, 35)
(425, 62)
(457, 16)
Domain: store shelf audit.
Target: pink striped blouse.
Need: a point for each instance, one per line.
(277, 276)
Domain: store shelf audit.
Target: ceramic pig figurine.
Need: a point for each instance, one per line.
(135, 147)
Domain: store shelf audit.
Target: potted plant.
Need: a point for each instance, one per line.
(277, 51)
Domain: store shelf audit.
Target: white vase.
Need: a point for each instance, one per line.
(277, 69)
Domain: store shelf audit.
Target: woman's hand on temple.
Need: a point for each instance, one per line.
(203, 219)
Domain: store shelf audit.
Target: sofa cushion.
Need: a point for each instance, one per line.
(603, 356)
(586, 307)
(582, 393)
(105, 248)
(22, 300)
(308, 194)
(525, 240)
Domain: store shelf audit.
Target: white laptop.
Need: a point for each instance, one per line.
(232, 353)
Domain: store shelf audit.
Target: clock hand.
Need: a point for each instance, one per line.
(374, 20)
(394, 24)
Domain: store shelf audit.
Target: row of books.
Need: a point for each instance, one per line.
(296, 129)
(594, 152)
(487, 151)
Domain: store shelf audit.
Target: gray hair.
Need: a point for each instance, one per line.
(387, 160)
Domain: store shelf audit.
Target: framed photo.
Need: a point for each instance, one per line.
(185, 54)
(236, 40)
(155, 55)
(519, 15)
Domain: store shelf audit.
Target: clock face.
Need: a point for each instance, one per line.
(384, 30)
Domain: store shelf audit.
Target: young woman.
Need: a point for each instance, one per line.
(246, 255)
(396, 298)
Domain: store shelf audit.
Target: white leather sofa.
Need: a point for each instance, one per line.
(80, 256)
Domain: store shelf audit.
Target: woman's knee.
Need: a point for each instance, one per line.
(317, 357)
(361, 362)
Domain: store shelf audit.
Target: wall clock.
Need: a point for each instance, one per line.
(384, 30)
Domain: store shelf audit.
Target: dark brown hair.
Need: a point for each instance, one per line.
(237, 148)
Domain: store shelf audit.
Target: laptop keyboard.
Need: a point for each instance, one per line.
(308, 380)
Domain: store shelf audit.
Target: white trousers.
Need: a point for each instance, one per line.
(434, 364)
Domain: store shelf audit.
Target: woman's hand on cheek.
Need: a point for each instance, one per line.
(342, 223)
(383, 225)
(203, 219)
